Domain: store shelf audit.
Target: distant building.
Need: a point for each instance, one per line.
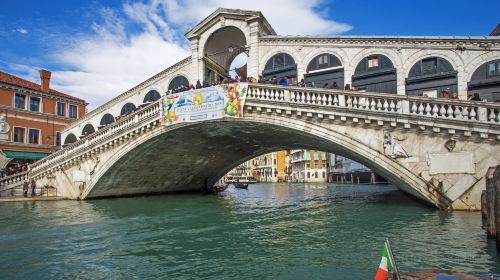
(32, 117)
(343, 170)
(308, 166)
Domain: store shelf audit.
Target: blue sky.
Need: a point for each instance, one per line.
(98, 49)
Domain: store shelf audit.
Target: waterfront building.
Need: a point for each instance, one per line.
(344, 170)
(33, 117)
(308, 166)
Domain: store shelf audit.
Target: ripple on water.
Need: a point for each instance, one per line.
(266, 232)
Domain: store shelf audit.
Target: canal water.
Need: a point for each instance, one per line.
(270, 231)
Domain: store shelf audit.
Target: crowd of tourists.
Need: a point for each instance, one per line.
(14, 169)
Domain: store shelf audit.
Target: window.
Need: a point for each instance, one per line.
(58, 138)
(308, 175)
(494, 69)
(323, 59)
(73, 111)
(372, 61)
(35, 104)
(61, 109)
(33, 136)
(20, 101)
(19, 134)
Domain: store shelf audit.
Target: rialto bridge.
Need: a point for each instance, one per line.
(435, 149)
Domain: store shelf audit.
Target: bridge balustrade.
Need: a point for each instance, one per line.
(13, 185)
(379, 102)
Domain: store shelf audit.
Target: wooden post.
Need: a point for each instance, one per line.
(490, 203)
(497, 205)
(483, 206)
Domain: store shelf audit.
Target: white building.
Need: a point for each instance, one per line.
(308, 166)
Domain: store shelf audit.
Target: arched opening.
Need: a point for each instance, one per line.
(107, 119)
(127, 109)
(432, 77)
(221, 49)
(88, 129)
(375, 73)
(178, 83)
(70, 138)
(280, 68)
(151, 96)
(485, 81)
(195, 145)
(325, 71)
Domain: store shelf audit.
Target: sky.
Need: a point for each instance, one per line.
(99, 49)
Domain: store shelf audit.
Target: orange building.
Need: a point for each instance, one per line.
(32, 117)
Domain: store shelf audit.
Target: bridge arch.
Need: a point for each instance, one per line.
(325, 68)
(281, 65)
(203, 157)
(107, 119)
(151, 96)
(431, 76)
(88, 129)
(375, 73)
(177, 82)
(485, 81)
(128, 108)
(220, 49)
(70, 138)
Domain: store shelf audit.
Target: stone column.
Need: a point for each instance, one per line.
(196, 69)
(253, 55)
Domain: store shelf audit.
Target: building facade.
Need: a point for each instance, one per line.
(308, 166)
(33, 117)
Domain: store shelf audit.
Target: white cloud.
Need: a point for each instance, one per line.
(22, 30)
(112, 59)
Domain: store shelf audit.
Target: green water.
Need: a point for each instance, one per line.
(265, 232)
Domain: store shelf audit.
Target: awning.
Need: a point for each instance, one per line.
(24, 155)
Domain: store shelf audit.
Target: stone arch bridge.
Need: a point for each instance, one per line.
(434, 149)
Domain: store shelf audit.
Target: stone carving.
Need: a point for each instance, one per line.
(450, 144)
(393, 148)
(4, 128)
(222, 21)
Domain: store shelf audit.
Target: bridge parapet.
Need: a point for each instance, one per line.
(470, 117)
(108, 136)
(379, 102)
(13, 185)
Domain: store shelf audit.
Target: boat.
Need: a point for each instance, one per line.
(241, 186)
(216, 188)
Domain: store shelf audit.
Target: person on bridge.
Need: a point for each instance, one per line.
(33, 187)
(25, 188)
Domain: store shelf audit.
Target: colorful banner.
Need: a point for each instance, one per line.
(203, 104)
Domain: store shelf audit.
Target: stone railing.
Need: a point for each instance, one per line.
(467, 112)
(380, 102)
(98, 137)
(13, 185)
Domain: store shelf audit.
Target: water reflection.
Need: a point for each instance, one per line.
(266, 232)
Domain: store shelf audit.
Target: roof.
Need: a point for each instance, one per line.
(350, 37)
(231, 12)
(20, 82)
(496, 31)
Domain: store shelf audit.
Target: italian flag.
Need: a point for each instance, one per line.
(385, 265)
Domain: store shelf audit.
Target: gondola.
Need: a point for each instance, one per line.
(241, 186)
(215, 188)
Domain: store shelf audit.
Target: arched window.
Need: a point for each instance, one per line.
(107, 119)
(308, 175)
(485, 81)
(178, 82)
(88, 129)
(151, 96)
(323, 61)
(70, 138)
(433, 77)
(316, 174)
(128, 108)
(323, 175)
(375, 73)
(281, 66)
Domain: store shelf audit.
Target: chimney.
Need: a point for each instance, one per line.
(45, 80)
